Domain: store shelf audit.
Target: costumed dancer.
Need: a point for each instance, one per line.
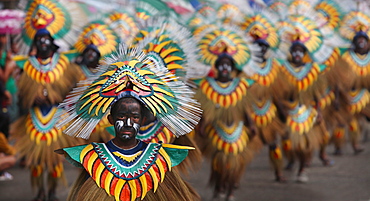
(226, 139)
(301, 84)
(131, 84)
(355, 29)
(264, 113)
(172, 44)
(47, 77)
(96, 41)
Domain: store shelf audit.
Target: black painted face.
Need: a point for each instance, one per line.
(263, 48)
(297, 53)
(126, 119)
(361, 44)
(224, 68)
(91, 57)
(44, 43)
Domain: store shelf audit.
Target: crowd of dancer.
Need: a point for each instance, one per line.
(137, 93)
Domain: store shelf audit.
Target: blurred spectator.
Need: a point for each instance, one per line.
(7, 158)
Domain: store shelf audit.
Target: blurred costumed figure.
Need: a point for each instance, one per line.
(96, 41)
(355, 29)
(302, 84)
(226, 129)
(132, 84)
(264, 113)
(47, 78)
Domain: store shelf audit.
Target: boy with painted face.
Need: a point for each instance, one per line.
(356, 89)
(361, 43)
(298, 51)
(40, 91)
(126, 117)
(140, 170)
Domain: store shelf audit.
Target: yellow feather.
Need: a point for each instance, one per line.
(93, 97)
(109, 73)
(166, 158)
(106, 105)
(92, 159)
(94, 103)
(173, 146)
(107, 182)
(154, 81)
(149, 104)
(154, 178)
(239, 92)
(98, 173)
(98, 83)
(227, 148)
(220, 142)
(133, 62)
(172, 58)
(38, 138)
(155, 104)
(145, 72)
(48, 138)
(161, 168)
(144, 186)
(160, 138)
(51, 76)
(157, 89)
(174, 66)
(168, 51)
(214, 140)
(235, 148)
(207, 90)
(91, 92)
(164, 100)
(118, 188)
(100, 104)
(167, 133)
(160, 46)
(133, 188)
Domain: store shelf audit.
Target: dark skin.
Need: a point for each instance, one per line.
(127, 108)
(297, 53)
(224, 70)
(263, 50)
(44, 46)
(91, 58)
(361, 45)
(44, 50)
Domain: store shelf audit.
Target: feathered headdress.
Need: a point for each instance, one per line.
(306, 29)
(261, 27)
(132, 73)
(353, 24)
(99, 35)
(216, 35)
(123, 24)
(52, 16)
(169, 43)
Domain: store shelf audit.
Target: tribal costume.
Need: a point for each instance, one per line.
(144, 171)
(43, 84)
(174, 47)
(302, 82)
(223, 132)
(354, 63)
(264, 112)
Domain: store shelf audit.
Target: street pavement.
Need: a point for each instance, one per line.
(347, 180)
